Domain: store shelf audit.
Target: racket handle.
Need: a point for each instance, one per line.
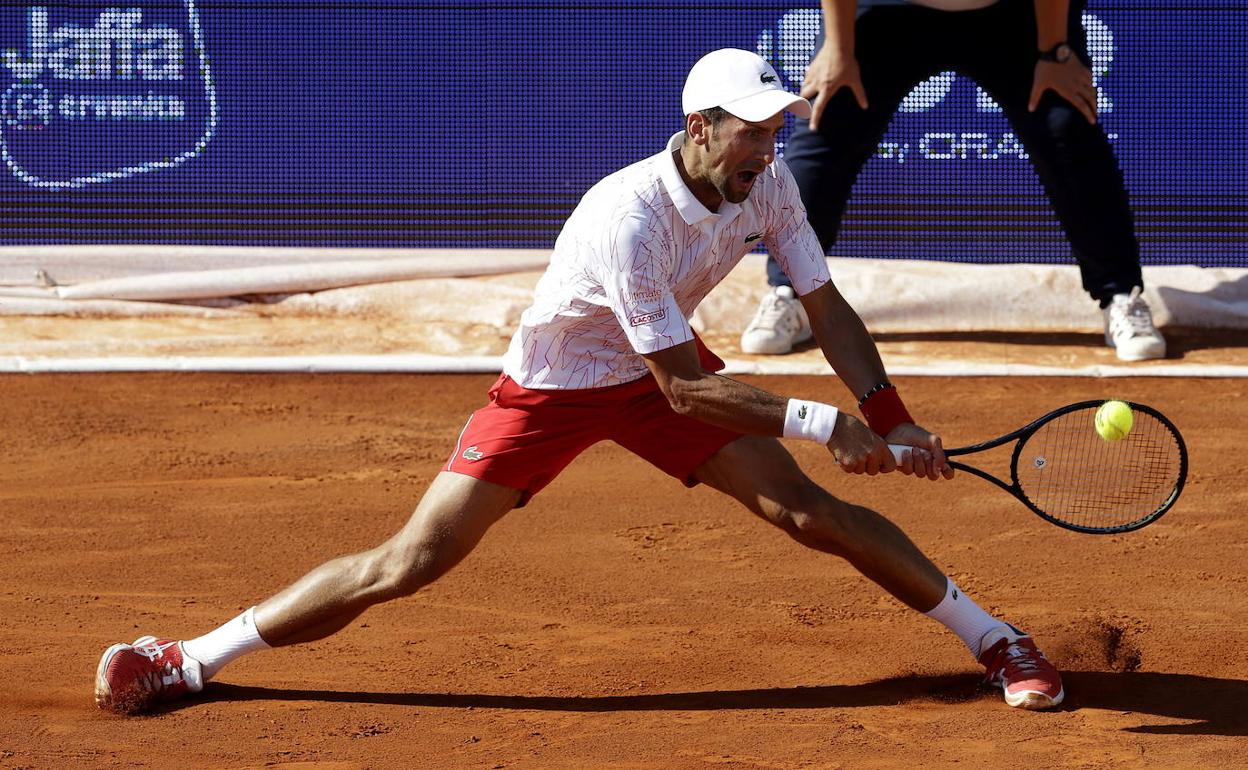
(898, 451)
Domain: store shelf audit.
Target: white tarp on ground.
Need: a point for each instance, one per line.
(891, 295)
(69, 265)
(189, 304)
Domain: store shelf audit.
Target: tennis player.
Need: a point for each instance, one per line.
(606, 353)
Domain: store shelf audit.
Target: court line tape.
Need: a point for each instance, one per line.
(431, 364)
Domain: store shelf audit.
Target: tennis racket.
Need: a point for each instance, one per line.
(1068, 475)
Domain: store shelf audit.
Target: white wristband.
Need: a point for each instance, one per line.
(810, 420)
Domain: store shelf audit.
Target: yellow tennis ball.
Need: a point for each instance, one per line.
(1114, 420)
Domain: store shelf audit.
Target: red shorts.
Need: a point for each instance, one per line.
(524, 438)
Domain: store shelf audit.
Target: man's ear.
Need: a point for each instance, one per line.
(697, 128)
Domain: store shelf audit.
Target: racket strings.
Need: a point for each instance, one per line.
(1074, 475)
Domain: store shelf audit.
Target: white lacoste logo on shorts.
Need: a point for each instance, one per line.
(472, 454)
(648, 318)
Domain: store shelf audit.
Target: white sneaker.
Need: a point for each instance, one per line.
(1129, 328)
(778, 325)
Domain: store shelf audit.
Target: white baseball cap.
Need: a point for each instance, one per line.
(741, 82)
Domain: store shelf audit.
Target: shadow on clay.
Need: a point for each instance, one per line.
(1210, 705)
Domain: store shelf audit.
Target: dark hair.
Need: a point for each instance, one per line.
(715, 115)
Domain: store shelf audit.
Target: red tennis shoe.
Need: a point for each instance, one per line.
(1017, 666)
(131, 678)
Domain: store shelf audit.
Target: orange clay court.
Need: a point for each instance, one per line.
(618, 621)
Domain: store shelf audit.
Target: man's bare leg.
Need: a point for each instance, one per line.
(448, 523)
(764, 477)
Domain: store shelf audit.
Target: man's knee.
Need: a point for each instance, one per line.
(812, 516)
(401, 569)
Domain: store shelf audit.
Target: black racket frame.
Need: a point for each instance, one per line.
(1022, 434)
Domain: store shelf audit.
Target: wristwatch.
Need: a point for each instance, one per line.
(1059, 53)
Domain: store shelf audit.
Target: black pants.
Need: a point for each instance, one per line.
(900, 46)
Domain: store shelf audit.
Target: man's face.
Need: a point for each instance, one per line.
(737, 151)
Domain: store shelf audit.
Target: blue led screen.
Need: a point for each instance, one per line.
(461, 124)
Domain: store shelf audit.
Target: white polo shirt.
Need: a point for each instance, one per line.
(633, 261)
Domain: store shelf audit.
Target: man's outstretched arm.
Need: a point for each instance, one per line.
(849, 348)
(706, 396)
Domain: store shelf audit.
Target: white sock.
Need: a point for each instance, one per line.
(964, 617)
(233, 640)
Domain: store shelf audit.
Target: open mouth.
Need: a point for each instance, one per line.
(745, 177)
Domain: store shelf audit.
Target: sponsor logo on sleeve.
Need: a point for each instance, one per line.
(643, 295)
(648, 318)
